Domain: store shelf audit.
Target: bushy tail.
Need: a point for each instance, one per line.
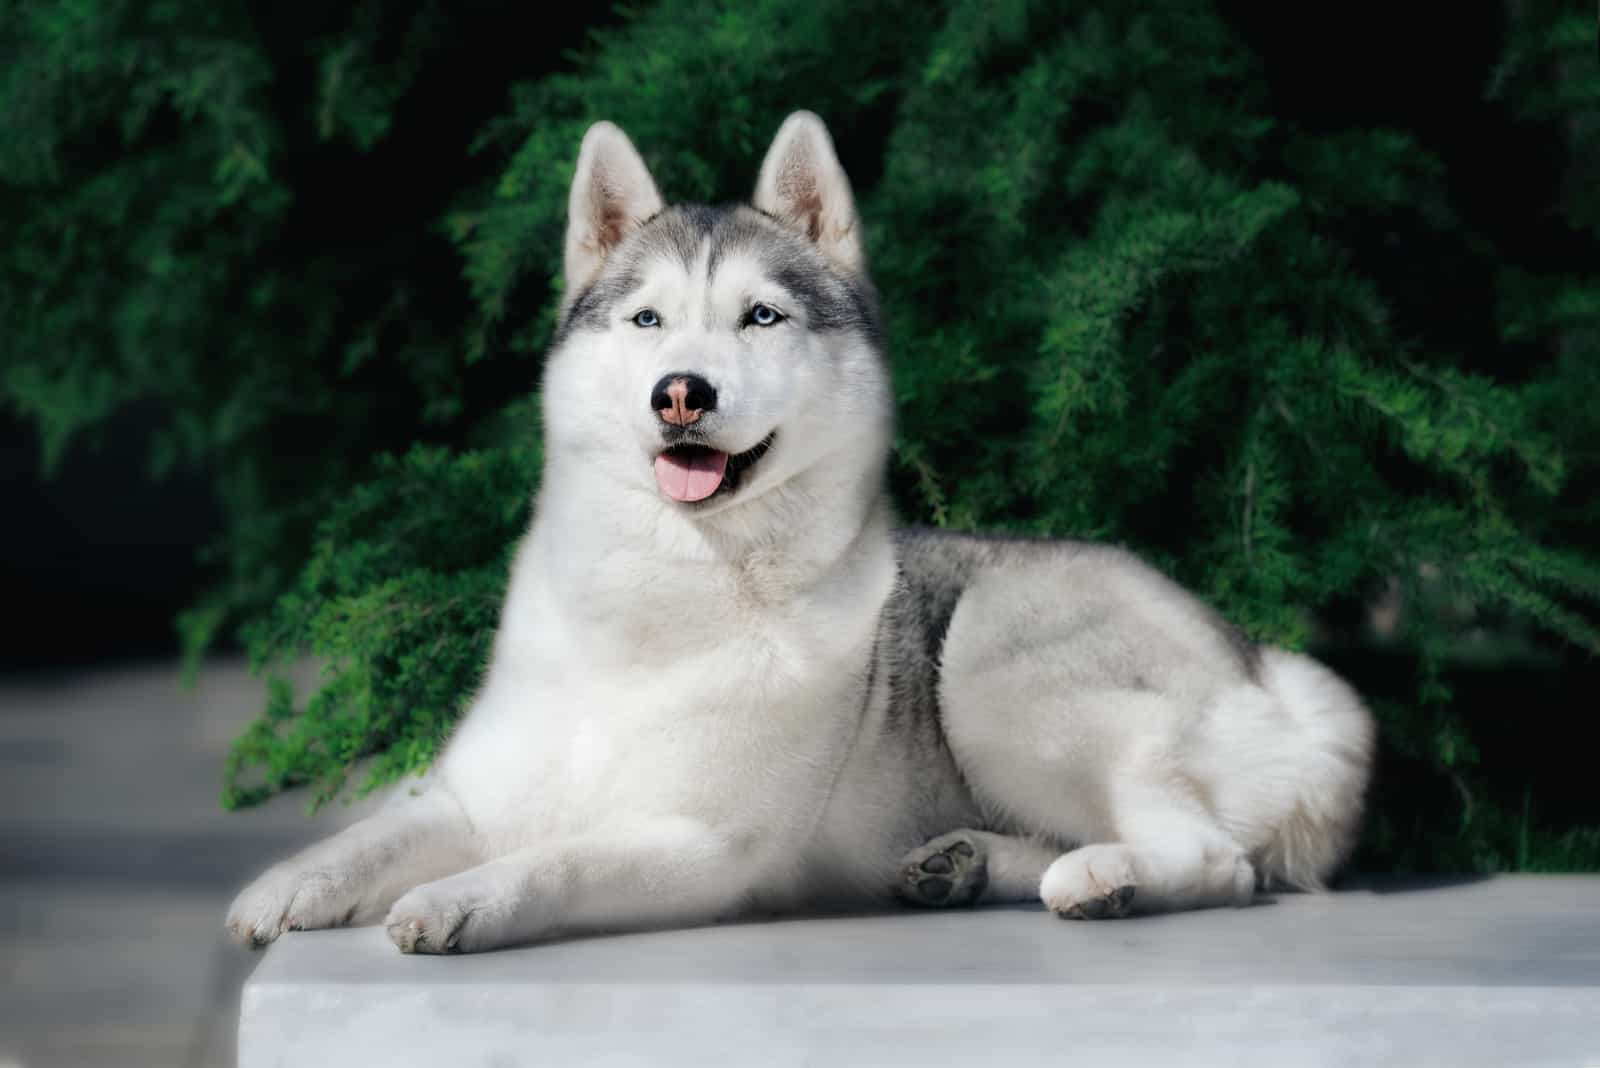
(1332, 751)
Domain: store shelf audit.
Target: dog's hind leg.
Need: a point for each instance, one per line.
(968, 867)
(1169, 854)
(356, 874)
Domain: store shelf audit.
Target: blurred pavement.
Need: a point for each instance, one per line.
(117, 864)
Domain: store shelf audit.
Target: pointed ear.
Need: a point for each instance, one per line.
(803, 186)
(612, 193)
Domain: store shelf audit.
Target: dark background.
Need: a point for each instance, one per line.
(100, 558)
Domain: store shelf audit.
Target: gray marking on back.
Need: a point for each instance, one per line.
(936, 568)
(934, 571)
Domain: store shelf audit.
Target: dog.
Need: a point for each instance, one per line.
(724, 683)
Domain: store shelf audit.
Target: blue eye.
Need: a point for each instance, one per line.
(647, 317)
(762, 315)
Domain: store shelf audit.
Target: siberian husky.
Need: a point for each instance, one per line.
(725, 683)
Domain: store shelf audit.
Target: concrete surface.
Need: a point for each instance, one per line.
(1502, 971)
(117, 864)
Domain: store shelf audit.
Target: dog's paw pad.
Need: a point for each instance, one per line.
(950, 870)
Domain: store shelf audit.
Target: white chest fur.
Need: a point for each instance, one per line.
(723, 691)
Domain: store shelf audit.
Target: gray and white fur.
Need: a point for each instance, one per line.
(723, 683)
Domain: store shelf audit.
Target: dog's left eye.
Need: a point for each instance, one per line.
(764, 315)
(647, 317)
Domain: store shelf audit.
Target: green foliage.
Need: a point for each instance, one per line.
(1127, 298)
(401, 607)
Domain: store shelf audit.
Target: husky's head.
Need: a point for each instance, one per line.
(718, 361)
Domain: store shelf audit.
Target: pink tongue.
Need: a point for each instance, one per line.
(690, 476)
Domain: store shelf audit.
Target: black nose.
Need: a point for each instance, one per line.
(680, 398)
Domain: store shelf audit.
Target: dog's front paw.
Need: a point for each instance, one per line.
(1092, 883)
(448, 916)
(950, 870)
(288, 899)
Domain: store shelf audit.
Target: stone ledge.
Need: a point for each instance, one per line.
(1502, 971)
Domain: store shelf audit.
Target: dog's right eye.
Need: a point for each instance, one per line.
(647, 317)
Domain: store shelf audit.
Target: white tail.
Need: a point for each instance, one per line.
(1333, 739)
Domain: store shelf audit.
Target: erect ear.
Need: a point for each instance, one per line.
(803, 186)
(612, 193)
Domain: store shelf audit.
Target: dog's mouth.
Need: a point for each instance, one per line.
(690, 472)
